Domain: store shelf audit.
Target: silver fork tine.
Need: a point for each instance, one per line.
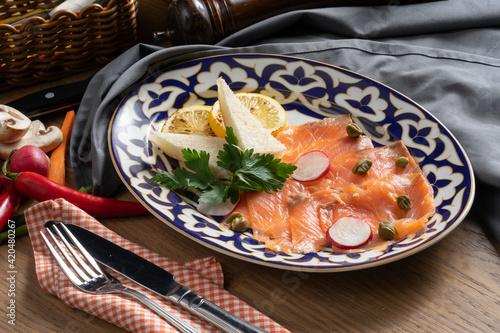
(65, 268)
(69, 260)
(96, 269)
(80, 247)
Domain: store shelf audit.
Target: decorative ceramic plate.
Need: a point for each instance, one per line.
(308, 90)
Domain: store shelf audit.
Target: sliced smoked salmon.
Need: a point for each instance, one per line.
(269, 216)
(300, 136)
(296, 218)
(334, 148)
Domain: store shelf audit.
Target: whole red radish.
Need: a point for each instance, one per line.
(30, 158)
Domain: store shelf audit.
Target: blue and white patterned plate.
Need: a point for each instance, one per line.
(308, 90)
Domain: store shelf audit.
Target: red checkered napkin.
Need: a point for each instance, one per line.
(203, 276)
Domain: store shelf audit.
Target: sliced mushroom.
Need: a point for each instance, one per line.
(45, 139)
(35, 127)
(13, 124)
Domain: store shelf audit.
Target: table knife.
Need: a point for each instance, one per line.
(56, 99)
(157, 280)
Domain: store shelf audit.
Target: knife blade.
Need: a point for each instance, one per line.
(56, 99)
(157, 280)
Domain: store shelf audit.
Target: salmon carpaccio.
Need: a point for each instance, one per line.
(296, 218)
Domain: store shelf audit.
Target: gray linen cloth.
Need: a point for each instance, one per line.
(444, 55)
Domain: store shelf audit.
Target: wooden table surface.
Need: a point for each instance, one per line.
(453, 286)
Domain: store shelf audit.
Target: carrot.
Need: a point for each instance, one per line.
(57, 171)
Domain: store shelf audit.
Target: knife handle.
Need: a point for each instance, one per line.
(55, 99)
(213, 313)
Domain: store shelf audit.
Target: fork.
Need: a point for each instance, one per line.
(88, 275)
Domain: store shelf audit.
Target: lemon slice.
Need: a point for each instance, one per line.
(268, 110)
(192, 119)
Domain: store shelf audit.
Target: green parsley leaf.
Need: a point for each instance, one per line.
(181, 178)
(215, 195)
(250, 172)
(231, 156)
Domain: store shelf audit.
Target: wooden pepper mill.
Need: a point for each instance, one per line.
(209, 21)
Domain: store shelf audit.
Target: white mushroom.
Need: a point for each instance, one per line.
(13, 124)
(36, 126)
(44, 138)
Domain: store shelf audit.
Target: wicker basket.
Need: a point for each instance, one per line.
(69, 42)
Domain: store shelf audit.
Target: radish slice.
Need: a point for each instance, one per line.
(311, 166)
(349, 233)
(223, 209)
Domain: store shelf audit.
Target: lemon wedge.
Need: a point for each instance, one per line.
(268, 110)
(192, 119)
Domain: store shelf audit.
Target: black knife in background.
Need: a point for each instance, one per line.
(56, 99)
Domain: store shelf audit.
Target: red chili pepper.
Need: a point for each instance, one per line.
(10, 199)
(41, 188)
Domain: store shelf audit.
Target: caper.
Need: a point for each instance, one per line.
(402, 161)
(362, 167)
(237, 222)
(404, 202)
(386, 230)
(353, 130)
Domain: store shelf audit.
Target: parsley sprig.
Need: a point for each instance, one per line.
(250, 172)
